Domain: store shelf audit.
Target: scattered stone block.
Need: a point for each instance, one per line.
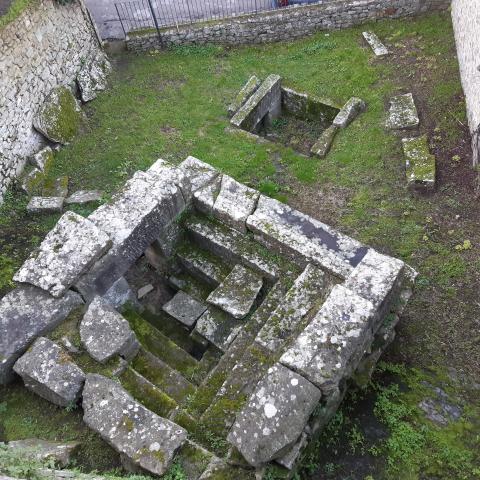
(204, 198)
(403, 113)
(303, 238)
(32, 181)
(48, 371)
(379, 49)
(105, 333)
(26, 313)
(66, 253)
(43, 159)
(199, 173)
(84, 196)
(237, 293)
(45, 205)
(307, 291)
(92, 77)
(144, 291)
(290, 458)
(185, 309)
(274, 417)
(331, 346)
(245, 93)
(266, 100)
(44, 450)
(321, 148)
(59, 117)
(119, 294)
(56, 188)
(147, 440)
(420, 163)
(235, 202)
(348, 113)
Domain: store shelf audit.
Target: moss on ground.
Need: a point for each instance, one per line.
(14, 11)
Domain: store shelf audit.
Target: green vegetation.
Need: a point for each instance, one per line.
(15, 9)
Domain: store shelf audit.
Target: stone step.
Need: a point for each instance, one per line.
(202, 264)
(184, 308)
(161, 346)
(147, 393)
(187, 283)
(163, 376)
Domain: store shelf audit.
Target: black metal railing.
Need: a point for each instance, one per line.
(140, 15)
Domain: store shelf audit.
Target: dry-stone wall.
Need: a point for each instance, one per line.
(286, 24)
(46, 46)
(256, 320)
(466, 23)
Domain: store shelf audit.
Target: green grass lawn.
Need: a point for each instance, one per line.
(173, 104)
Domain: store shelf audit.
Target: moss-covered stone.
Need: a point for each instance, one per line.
(193, 460)
(420, 163)
(324, 143)
(57, 187)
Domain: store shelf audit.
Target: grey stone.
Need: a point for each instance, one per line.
(245, 93)
(204, 198)
(26, 313)
(267, 100)
(304, 238)
(58, 188)
(59, 117)
(92, 77)
(163, 170)
(144, 291)
(274, 417)
(48, 371)
(44, 450)
(379, 49)
(420, 164)
(438, 408)
(105, 333)
(290, 458)
(236, 295)
(147, 440)
(307, 291)
(234, 203)
(45, 205)
(64, 255)
(43, 159)
(198, 173)
(184, 308)
(324, 143)
(84, 196)
(403, 113)
(333, 343)
(32, 181)
(119, 294)
(349, 112)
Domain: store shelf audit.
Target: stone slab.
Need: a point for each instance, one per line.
(379, 49)
(244, 94)
(266, 100)
(84, 196)
(25, 314)
(92, 77)
(199, 173)
(236, 295)
(303, 238)
(234, 203)
(348, 113)
(43, 159)
(330, 347)
(49, 372)
(323, 145)
(204, 198)
(46, 451)
(307, 292)
(119, 294)
(45, 205)
(420, 164)
(105, 333)
(403, 113)
(274, 417)
(184, 308)
(308, 107)
(147, 440)
(73, 245)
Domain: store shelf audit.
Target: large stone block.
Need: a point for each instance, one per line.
(403, 113)
(349, 112)
(92, 77)
(145, 439)
(245, 93)
(48, 371)
(199, 173)
(26, 313)
(73, 245)
(274, 417)
(304, 238)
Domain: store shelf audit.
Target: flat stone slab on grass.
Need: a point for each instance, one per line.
(147, 440)
(350, 111)
(70, 248)
(331, 346)
(84, 196)
(245, 93)
(303, 238)
(44, 450)
(184, 308)
(26, 313)
(419, 162)
(403, 113)
(48, 371)
(105, 333)
(238, 292)
(234, 203)
(379, 49)
(45, 205)
(275, 416)
(324, 143)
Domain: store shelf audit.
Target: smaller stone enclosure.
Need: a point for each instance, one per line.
(306, 123)
(254, 321)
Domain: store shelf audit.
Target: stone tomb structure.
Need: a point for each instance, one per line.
(264, 318)
(282, 114)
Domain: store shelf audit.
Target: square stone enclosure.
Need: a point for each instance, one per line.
(259, 319)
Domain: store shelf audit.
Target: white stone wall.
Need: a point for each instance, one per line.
(466, 23)
(41, 49)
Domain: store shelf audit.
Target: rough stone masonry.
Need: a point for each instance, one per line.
(271, 314)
